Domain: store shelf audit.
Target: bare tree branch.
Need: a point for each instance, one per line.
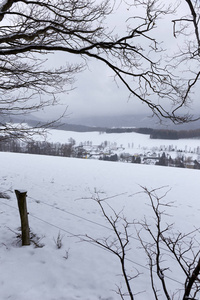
(183, 247)
(116, 244)
(32, 29)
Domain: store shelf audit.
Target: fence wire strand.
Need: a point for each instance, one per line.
(77, 235)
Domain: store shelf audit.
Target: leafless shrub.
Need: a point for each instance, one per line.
(168, 252)
(66, 256)
(183, 250)
(117, 243)
(34, 238)
(4, 195)
(58, 240)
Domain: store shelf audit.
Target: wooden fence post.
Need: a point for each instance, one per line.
(21, 199)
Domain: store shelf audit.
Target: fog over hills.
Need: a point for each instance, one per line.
(138, 121)
(98, 122)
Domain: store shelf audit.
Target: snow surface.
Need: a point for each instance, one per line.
(126, 139)
(132, 143)
(59, 201)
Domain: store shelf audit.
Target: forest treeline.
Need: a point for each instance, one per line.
(100, 152)
(159, 133)
(37, 147)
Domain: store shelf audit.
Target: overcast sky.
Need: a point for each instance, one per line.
(96, 93)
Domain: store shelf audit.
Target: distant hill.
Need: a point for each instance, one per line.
(140, 124)
(131, 121)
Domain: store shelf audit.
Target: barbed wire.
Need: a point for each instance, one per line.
(102, 225)
(67, 212)
(78, 237)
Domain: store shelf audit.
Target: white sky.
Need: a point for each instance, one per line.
(96, 92)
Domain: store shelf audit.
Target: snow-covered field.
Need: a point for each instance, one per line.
(59, 201)
(126, 139)
(133, 143)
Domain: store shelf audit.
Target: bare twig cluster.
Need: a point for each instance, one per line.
(183, 251)
(169, 253)
(117, 243)
(32, 29)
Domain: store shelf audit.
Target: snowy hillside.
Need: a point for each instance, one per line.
(134, 141)
(59, 192)
(127, 147)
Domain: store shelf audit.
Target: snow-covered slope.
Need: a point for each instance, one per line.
(59, 201)
(126, 139)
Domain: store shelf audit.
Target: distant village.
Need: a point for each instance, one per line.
(162, 156)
